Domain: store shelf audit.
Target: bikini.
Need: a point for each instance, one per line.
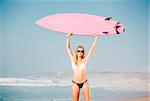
(80, 85)
(81, 67)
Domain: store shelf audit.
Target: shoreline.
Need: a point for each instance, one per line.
(144, 98)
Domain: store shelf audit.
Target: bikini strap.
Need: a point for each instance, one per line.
(85, 81)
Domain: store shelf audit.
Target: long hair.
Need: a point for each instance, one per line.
(76, 52)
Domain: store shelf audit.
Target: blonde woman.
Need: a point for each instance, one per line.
(79, 61)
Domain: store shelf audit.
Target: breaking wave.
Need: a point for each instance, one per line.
(109, 80)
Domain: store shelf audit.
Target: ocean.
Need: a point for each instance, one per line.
(104, 86)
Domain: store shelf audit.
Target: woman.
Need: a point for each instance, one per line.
(79, 61)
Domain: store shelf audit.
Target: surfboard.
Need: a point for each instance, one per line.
(81, 24)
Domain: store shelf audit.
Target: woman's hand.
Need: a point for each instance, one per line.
(69, 34)
(96, 36)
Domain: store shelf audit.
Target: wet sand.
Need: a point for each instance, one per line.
(145, 98)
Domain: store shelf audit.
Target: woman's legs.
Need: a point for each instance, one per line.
(86, 91)
(75, 92)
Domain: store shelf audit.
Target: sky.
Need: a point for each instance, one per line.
(26, 48)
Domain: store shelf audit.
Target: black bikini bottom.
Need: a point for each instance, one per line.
(80, 85)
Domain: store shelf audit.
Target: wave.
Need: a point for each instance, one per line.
(138, 81)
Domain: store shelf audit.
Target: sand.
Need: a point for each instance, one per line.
(146, 98)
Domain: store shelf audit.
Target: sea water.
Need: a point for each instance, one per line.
(57, 87)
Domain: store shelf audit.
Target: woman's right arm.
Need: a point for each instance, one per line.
(70, 54)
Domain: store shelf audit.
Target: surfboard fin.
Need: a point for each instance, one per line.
(117, 31)
(117, 26)
(108, 18)
(105, 32)
(124, 30)
(118, 23)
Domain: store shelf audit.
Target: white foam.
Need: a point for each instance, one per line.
(138, 81)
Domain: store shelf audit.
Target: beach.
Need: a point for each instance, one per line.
(145, 98)
(57, 87)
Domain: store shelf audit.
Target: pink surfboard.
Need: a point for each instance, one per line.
(81, 24)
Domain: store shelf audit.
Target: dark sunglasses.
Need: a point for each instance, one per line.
(80, 51)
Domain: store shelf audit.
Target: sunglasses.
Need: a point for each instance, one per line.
(80, 51)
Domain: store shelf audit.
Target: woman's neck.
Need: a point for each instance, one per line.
(79, 59)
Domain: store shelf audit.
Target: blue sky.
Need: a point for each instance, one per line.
(27, 48)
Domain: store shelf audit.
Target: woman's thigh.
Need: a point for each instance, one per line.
(75, 92)
(86, 91)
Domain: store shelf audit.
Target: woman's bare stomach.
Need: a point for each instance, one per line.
(79, 77)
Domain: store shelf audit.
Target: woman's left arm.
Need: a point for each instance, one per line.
(91, 49)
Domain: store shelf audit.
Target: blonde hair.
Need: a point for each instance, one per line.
(76, 52)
